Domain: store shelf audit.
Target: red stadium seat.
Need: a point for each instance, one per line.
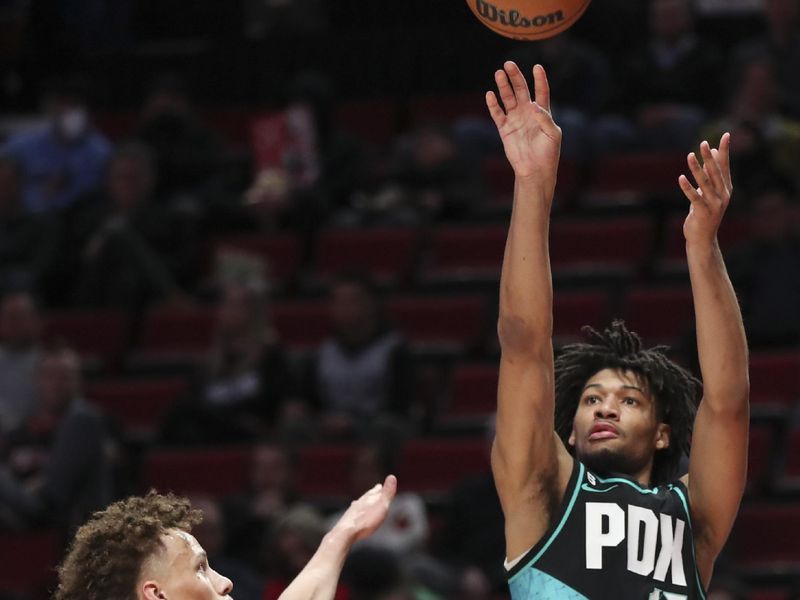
(464, 252)
(769, 594)
(659, 315)
(281, 253)
(232, 124)
(734, 231)
(615, 246)
(425, 110)
(440, 321)
(499, 177)
(215, 472)
(792, 469)
(117, 125)
(765, 536)
(301, 325)
(473, 391)
(759, 457)
(372, 120)
(775, 378)
(324, 470)
(648, 173)
(139, 405)
(436, 466)
(386, 254)
(573, 310)
(28, 564)
(99, 336)
(170, 331)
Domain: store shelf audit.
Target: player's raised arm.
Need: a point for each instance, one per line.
(718, 461)
(526, 453)
(319, 578)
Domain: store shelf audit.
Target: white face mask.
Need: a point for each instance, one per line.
(72, 123)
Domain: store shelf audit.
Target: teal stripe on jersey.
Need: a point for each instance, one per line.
(538, 585)
(700, 587)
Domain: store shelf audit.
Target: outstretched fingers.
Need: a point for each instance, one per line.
(712, 170)
(495, 110)
(521, 91)
(389, 488)
(541, 87)
(703, 181)
(724, 160)
(690, 191)
(505, 90)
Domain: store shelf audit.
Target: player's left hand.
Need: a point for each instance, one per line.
(710, 200)
(367, 513)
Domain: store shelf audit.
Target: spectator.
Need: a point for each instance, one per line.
(64, 160)
(57, 463)
(580, 80)
(284, 18)
(437, 179)
(240, 393)
(20, 354)
(294, 540)
(727, 587)
(781, 46)
(211, 534)
(307, 167)
(473, 536)
(764, 142)
(362, 371)
(270, 493)
(189, 156)
(405, 530)
(672, 84)
(128, 251)
(765, 270)
(26, 241)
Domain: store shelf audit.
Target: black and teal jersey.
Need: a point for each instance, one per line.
(612, 539)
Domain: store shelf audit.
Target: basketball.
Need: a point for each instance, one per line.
(528, 19)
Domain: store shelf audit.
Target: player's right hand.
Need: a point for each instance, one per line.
(531, 139)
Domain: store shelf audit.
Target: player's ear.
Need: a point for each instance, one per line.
(662, 436)
(151, 590)
(571, 440)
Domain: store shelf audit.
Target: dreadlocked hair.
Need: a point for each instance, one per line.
(675, 390)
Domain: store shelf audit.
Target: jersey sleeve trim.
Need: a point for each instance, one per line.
(535, 553)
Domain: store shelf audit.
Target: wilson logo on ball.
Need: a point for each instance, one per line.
(528, 19)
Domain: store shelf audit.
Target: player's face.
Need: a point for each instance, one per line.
(616, 428)
(181, 572)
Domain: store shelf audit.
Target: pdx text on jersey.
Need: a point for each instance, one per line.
(608, 525)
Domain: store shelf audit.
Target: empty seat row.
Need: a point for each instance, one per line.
(578, 247)
(428, 466)
(450, 322)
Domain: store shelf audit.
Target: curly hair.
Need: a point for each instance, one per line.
(676, 391)
(107, 554)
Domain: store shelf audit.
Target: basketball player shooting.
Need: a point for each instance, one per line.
(587, 448)
(142, 549)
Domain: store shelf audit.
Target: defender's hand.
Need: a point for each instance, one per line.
(710, 200)
(532, 141)
(367, 513)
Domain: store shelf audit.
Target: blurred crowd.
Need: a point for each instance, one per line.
(95, 223)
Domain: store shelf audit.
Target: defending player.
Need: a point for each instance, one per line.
(587, 446)
(141, 548)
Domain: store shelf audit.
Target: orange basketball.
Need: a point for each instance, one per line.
(528, 19)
